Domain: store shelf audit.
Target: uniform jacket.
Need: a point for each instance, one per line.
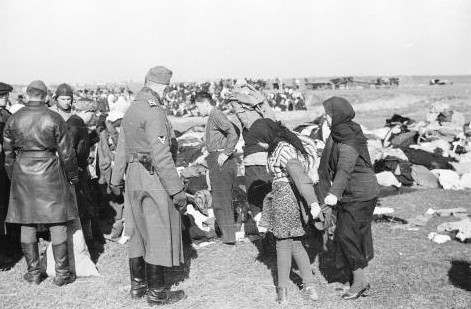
(40, 161)
(146, 129)
(150, 214)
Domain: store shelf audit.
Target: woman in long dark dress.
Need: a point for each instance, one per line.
(347, 180)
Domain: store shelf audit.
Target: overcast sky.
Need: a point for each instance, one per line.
(97, 41)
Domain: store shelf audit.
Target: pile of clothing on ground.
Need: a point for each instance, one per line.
(458, 229)
(435, 153)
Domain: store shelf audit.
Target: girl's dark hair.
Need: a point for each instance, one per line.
(283, 134)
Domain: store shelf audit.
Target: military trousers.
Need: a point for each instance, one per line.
(58, 233)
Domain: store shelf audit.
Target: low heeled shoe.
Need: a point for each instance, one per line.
(363, 292)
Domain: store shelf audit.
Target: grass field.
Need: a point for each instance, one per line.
(408, 271)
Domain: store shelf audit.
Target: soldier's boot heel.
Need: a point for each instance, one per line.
(164, 297)
(61, 257)
(138, 277)
(157, 293)
(35, 274)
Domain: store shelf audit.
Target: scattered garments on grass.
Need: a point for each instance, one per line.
(447, 212)
(422, 219)
(429, 160)
(438, 238)
(448, 179)
(387, 179)
(462, 227)
(383, 210)
(400, 168)
(423, 177)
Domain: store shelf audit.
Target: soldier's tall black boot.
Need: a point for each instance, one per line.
(61, 257)
(31, 252)
(157, 292)
(137, 268)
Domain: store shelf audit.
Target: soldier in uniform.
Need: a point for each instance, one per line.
(153, 191)
(41, 163)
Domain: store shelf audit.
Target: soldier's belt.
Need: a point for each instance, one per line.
(144, 158)
(36, 153)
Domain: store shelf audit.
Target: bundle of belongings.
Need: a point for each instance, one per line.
(435, 153)
(199, 219)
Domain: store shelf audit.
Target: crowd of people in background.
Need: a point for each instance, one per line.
(178, 97)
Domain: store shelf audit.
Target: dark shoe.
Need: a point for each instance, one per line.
(364, 292)
(157, 292)
(137, 268)
(164, 297)
(310, 292)
(61, 257)
(281, 295)
(31, 252)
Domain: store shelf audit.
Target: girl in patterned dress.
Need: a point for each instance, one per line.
(292, 162)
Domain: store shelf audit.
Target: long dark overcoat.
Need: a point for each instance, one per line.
(41, 162)
(151, 217)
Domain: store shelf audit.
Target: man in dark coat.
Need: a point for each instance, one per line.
(154, 191)
(41, 163)
(5, 90)
(77, 125)
(11, 249)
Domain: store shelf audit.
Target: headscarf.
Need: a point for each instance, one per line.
(343, 129)
(272, 132)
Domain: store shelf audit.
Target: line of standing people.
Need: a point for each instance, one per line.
(42, 159)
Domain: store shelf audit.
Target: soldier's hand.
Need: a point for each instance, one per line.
(222, 158)
(180, 201)
(116, 190)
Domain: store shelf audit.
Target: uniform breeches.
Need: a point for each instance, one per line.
(58, 233)
(353, 238)
(222, 180)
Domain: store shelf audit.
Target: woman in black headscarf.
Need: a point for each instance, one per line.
(347, 180)
(292, 163)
